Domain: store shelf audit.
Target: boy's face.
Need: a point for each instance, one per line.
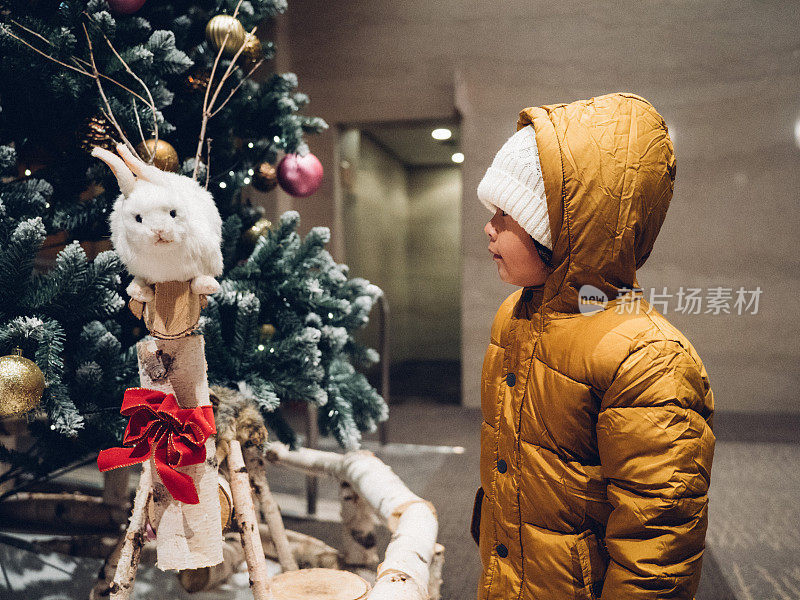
(514, 252)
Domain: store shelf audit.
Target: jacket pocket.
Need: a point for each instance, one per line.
(591, 564)
(475, 527)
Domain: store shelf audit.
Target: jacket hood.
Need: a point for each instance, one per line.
(609, 168)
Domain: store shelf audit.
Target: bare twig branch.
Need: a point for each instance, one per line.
(47, 56)
(238, 85)
(150, 153)
(208, 162)
(231, 66)
(110, 113)
(79, 62)
(206, 107)
(151, 104)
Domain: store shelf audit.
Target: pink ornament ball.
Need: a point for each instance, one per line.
(126, 7)
(300, 176)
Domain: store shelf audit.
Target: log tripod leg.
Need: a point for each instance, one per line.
(102, 587)
(121, 587)
(270, 513)
(247, 523)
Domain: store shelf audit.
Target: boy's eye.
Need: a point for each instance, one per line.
(138, 218)
(173, 213)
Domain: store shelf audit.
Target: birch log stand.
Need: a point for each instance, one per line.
(189, 536)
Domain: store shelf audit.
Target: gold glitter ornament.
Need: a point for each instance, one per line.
(265, 178)
(261, 227)
(221, 25)
(96, 131)
(252, 52)
(21, 384)
(165, 156)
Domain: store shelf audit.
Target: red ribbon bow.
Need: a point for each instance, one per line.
(173, 436)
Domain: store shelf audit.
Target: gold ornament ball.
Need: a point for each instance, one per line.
(261, 227)
(21, 384)
(252, 52)
(265, 177)
(165, 157)
(265, 332)
(220, 26)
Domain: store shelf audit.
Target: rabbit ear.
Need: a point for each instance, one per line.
(123, 174)
(140, 168)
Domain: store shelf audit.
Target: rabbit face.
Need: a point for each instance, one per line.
(152, 219)
(164, 226)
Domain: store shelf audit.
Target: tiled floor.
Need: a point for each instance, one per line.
(753, 541)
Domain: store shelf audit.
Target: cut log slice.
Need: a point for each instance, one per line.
(319, 584)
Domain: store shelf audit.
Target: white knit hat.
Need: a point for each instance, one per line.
(514, 184)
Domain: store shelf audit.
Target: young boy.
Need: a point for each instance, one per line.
(596, 440)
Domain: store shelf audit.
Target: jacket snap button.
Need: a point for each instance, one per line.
(501, 465)
(511, 379)
(502, 551)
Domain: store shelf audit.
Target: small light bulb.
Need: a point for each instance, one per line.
(231, 173)
(261, 347)
(442, 133)
(457, 157)
(47, 205)
(27, 172)
(223, 185)
(277, 139)
(250, 145)
(246, 180)
(250, 171)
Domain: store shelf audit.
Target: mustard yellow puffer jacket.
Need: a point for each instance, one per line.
(596, 440)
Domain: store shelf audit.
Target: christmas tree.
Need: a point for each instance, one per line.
(184, 79)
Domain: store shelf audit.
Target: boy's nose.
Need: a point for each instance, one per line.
(489, 230)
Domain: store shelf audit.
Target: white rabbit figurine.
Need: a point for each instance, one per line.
(164, 226)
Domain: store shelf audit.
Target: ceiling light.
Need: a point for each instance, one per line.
(441, 134)
(457, 158)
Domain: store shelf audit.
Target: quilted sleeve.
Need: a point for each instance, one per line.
(656, 451)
